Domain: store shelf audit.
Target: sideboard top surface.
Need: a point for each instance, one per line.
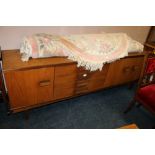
(11, 60)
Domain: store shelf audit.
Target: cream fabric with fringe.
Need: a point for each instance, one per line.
(91, 51)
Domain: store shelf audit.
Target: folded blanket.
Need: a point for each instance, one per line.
(91, 51)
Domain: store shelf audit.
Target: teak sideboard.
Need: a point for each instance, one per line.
(47, 80)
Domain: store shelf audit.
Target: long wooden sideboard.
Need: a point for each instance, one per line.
(47, 80)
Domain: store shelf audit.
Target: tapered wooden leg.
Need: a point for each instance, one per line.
(131, 104)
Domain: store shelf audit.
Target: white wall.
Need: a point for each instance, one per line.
(10, 37)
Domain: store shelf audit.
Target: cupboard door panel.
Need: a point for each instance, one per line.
(29, 87)
(130, 69)
(65, 79)
(97, 79)
(45, 80)
(124, 70)
(63, 91)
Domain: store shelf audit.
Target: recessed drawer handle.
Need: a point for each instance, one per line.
(84, 75)
(44, 83)
(135, 68)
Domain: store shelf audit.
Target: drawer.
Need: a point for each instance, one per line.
(81, 90)
(65, 71)
(81, 86)
(65, 75)
(83, 74)
(90, 81)
(68, 80)
(82, 82)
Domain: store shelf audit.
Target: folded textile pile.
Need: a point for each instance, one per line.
(91, 51)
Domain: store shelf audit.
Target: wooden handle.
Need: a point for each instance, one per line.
(44, 83)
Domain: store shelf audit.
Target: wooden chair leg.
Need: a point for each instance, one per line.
(131, 104)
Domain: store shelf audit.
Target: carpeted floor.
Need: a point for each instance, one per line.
(99, 110)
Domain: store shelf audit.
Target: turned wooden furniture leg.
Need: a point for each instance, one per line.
(131, 104)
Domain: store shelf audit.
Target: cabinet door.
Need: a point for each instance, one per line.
(130, 69)
(124, 70)
(29, 87)
(64, 81)
(97, 79)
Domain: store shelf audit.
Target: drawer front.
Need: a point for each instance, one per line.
(89, 81)
(81, 87)
(29, 87)
(83, 77)
(83, 74)
(124, 70)
(65, 79)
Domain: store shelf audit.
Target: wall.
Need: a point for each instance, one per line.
(10, 37)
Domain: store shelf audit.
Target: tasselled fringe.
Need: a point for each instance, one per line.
(89, 65)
